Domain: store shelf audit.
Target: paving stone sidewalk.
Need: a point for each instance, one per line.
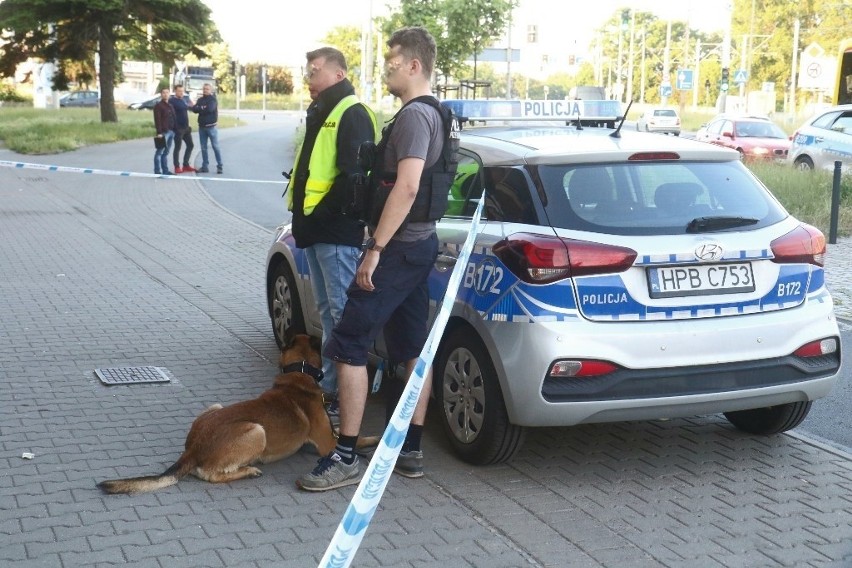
(110, 272)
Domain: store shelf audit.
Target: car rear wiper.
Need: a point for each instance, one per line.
(706, 224)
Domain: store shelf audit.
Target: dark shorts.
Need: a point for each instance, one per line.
(399, 305)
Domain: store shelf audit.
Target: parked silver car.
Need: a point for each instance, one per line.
(824, 139)
(80, 99)
(614, 278)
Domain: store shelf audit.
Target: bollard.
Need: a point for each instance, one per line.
(835, 204)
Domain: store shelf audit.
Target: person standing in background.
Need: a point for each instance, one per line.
(183, 131)
(207, 109)
(164, 122)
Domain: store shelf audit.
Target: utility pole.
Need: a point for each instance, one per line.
(793, 81)
(666, 62)
(726, 60)
(630, 57)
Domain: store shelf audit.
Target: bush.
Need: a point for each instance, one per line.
(8, 94)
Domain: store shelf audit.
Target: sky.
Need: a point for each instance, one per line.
(280, 34)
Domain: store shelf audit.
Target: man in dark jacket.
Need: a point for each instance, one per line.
(183, 131)
(207, 109)
(164, 122)
(335, 126)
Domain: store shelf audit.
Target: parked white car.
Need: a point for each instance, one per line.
(664, 120)
(824, 139)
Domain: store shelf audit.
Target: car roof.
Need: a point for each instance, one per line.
(551, 144)
(736, 117)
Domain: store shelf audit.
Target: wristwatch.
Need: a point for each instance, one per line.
(371, 245)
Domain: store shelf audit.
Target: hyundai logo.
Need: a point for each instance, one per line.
(708, 252)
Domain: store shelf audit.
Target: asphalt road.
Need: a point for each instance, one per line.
(263, 148)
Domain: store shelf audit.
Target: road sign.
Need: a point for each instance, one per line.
(684, 80)
(741, 77)
(666, 89)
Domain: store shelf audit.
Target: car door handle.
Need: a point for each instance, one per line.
(445, 262)
(818, 139)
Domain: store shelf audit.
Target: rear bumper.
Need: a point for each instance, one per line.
(669, 368)
(694, 380)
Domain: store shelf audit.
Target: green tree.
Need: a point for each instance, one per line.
(68, 31)
(462, 28)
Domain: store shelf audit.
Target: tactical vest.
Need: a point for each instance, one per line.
(322, 167)
(435, 181)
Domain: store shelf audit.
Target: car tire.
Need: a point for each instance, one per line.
(804, 164)
(771, 419)
(285, 309)
(473, 412)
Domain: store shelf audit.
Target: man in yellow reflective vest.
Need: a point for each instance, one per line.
(335, 126)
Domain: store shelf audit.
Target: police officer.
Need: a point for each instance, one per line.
(390, 288)
(335, 126)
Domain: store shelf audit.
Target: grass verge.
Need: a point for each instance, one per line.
(36, 131)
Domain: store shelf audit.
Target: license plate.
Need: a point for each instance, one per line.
(700, 280)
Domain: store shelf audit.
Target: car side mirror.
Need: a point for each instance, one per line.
(728, 134)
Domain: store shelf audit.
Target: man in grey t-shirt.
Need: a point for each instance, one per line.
(390, 290)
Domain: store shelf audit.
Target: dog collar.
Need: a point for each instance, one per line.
(303, 367)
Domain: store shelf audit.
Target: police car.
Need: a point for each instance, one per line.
(617, 276)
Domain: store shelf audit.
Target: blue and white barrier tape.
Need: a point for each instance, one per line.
(343, 546)
(50, 168)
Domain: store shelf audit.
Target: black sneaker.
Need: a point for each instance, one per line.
(409, 464)
(202, 170)
(330, 473)
(218, 169)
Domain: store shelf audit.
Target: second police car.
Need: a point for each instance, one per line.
(627, 277)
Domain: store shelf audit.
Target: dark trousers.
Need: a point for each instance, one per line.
(183, 135)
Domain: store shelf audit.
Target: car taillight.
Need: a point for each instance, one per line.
(540, 259)
(804, 244)
(653, 156)
(580, 368)
(817, 348)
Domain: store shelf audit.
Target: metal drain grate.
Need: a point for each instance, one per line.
(132, 375)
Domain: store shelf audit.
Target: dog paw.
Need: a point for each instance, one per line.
(254, 472)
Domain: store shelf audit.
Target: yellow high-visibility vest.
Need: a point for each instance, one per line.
(323, 163)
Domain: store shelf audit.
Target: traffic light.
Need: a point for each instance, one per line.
(725, 77)
(571, 60)
(625, 18)
(232, 66)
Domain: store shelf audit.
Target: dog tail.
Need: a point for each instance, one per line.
(130, 485)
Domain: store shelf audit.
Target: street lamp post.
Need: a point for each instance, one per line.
(642, 72)
(630, 56)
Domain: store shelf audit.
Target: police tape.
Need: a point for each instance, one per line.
(347, 538)
(70, 169)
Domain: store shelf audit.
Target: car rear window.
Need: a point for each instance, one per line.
(664, 112)
(652, 198)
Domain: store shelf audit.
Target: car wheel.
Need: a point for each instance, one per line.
(804, 164)
(284, 307)
(472, 408)
(771, 419)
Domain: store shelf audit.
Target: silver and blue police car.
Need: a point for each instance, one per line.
(617, 276)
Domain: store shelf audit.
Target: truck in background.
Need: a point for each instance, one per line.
(193, 78)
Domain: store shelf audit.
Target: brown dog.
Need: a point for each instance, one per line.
(224, 442)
